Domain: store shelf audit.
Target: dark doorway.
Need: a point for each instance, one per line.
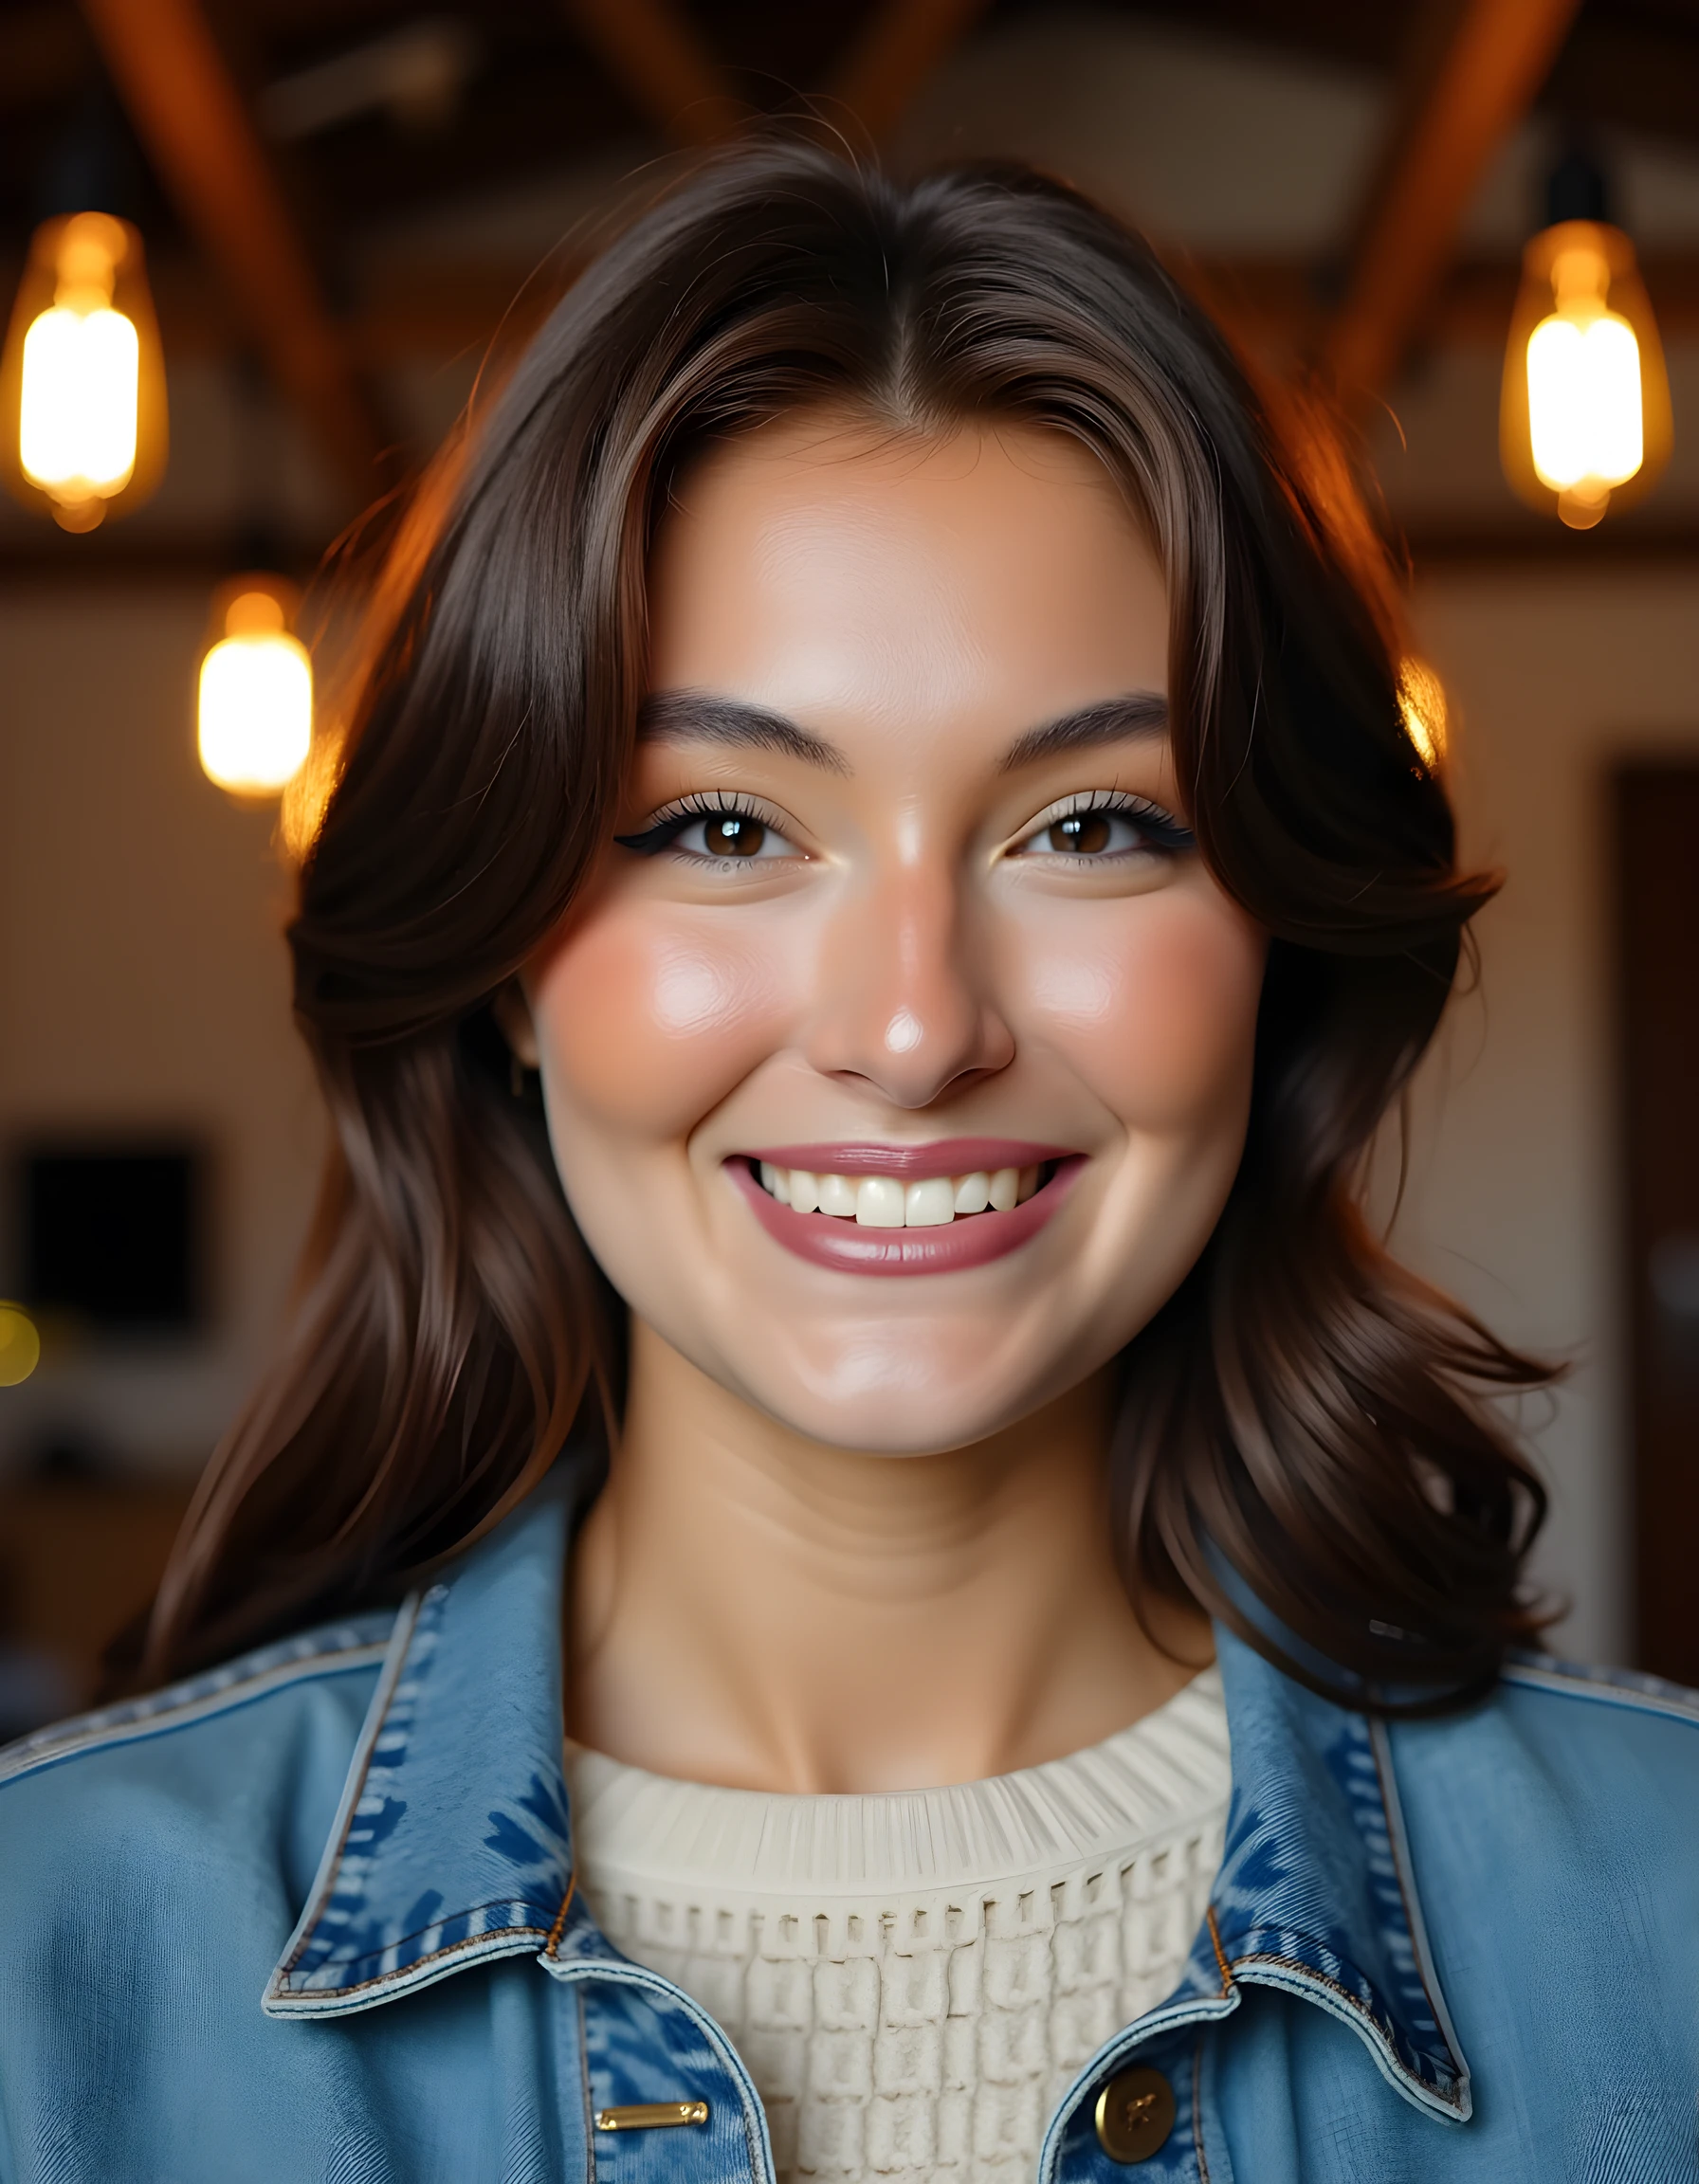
(1657, 884)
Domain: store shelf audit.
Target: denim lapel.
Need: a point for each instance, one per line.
(1315, 1895)
(450, 1844)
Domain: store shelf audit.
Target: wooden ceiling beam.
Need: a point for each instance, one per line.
(193, 125)
(1479, 66)
(903, 43)
(652, 51)
(43, 57)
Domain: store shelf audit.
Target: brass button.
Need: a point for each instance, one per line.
(1135, 2114)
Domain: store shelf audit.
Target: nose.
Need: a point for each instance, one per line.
(902, 997)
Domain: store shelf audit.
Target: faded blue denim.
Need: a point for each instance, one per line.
(309, 1917)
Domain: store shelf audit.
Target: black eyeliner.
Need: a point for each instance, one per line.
(654, 839)
(1164, 833)
(698, 804)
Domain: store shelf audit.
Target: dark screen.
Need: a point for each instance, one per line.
(110, 1234)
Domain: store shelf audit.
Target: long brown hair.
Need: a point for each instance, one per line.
(1305, 1444)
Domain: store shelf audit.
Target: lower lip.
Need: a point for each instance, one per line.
(970, 1240)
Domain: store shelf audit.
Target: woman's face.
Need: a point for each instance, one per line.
(898, 1059)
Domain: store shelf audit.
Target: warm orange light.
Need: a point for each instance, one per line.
(82, 386)
(20, 1345)
(256, 693)
(1422, 709)
(1584, 411)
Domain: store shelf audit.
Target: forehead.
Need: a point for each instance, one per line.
(862, 580)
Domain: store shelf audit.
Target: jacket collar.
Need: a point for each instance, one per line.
(452, 1842)
(1316, 1894)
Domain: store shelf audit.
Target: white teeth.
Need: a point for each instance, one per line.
(930, 1204)
(887, 1202)
(879, 1202)
(973, 1194)
(837, 1195)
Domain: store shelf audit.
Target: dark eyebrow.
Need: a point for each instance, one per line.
(1139, 713)
(694, 716)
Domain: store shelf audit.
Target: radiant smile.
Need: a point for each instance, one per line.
(905, 1210)
(888, 1202)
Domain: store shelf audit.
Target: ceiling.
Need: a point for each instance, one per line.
(521, 90)
(362, 116)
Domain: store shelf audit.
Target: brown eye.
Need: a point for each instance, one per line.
(1084, 835)
(733, 834)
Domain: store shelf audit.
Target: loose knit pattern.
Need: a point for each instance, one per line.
(913, 1980)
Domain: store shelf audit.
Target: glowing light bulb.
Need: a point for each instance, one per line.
(1584, 402)
(1583, 364)
(1422, 709)
(1585, 410)
(81, 384)
(256, 698)
(77, 432)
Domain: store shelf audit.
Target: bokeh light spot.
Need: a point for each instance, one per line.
(20, 1345)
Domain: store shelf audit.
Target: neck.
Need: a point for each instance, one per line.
(755, 1609)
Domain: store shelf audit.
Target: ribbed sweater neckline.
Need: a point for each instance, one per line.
(1160, 1773)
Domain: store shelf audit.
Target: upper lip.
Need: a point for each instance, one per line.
(946, 1156)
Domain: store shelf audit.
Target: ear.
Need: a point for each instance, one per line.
(512, 1012)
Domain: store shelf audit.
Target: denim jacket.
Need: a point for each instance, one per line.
(310, 1917)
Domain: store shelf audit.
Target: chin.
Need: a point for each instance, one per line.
(908, 1397)
(883, 1428)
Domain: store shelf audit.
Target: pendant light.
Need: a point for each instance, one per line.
(255, 694)
(1584, 421)
(82, 377)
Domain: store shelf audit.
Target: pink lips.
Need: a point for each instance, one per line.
(974, 1240)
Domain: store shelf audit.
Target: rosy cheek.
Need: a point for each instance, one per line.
(646, 1021)
(1155, 1007)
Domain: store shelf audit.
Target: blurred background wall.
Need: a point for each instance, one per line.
(425, 166)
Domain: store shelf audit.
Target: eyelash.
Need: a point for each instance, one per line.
(673, 820)
(1164, 835)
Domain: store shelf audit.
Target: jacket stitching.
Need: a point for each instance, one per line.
(400, 1941)
(1411, 1921)
(1564, 1682)
(431, 1957)
(1352, 2002)
(583, 2077)
(560, 1927)
(325, 1890)
(1203, 2159)
(360, 1653)
(1221, 1962)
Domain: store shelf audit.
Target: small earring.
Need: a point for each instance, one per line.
(516, 1074)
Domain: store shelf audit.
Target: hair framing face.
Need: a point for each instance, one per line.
(1303, 1450)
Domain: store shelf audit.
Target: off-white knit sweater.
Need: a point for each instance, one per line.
(913, 1980)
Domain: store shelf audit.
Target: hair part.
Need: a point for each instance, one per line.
(1307, 1444)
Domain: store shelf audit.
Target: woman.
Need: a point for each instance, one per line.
(876, 893)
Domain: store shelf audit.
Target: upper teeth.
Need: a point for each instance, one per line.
(888, 1202)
